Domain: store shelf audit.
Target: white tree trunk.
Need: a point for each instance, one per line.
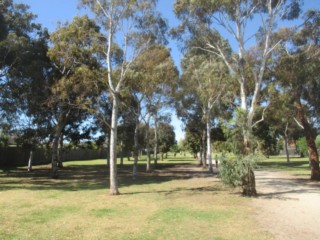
(155, 139)
(209, 153)
(136, 149)
(203, 147)
(148, 167)
(30, 161)
(113, 146)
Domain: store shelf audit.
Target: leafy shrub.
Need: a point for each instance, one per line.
(238, 172)
(302, 148)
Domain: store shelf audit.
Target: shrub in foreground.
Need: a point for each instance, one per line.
(239, 172)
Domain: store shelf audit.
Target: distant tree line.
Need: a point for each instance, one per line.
(247, 82)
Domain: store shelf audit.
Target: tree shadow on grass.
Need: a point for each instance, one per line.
(93, 177)
(285, 165)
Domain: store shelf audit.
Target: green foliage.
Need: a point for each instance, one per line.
(302, 148)
(296, 166)
(4, 139)
(266, 138)
(166, 137)
(234, 170)
(318, 141)
(175, 148)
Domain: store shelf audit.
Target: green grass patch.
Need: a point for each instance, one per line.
(179, 214)
(297, 166)
(178, 200)
(48, 214)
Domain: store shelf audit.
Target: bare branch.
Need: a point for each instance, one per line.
(298, 123)
(262, 118)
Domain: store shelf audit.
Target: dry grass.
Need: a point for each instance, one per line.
(174, 202)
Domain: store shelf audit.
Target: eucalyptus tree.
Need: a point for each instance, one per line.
(235, 19)
(154, 74)
(281, 114)
(206, 77)
(21, 40)
(72, 54)
(130, 26)
(166, 138)
(189, 110)
(161, 93)
(297, 71)
(24, 72)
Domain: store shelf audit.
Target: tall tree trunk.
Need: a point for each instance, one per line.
(148, 167)
(61, 122)
(121, 153)
(30, 161)
(243, 96)
(61, 152)
(113, 146)
(198, 156)
(55, 155)
(312, 149)
(155, 140)
(209, 153)
(286, 143)
(249, 184)
(136, 149)
(106, 142)
(203, 147)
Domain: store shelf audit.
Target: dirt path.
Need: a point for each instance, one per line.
(287, 207)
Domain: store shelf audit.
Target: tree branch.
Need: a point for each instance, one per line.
(298, 123)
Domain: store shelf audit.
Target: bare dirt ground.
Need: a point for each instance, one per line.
(288, 206)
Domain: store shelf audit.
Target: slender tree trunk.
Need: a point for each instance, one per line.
(198, 156)
(55, 155)
(243, 96)
(203, 147)
(61, 152)
(121, 153)
(136, 150)
(162, 156)
(312, 149)
(30, 161)
(286, 143)
(155, 140)
(108, 152)
(62, 120)
(209, 153)
(148, 167)
(286, 148)
(113, 147)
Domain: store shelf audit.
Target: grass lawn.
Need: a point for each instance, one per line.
(296, 166)
(176, 201)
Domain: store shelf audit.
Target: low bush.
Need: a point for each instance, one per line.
(239, 172)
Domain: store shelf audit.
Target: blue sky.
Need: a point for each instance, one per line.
(50, 12)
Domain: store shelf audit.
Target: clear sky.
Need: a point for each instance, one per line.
(50, 12)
